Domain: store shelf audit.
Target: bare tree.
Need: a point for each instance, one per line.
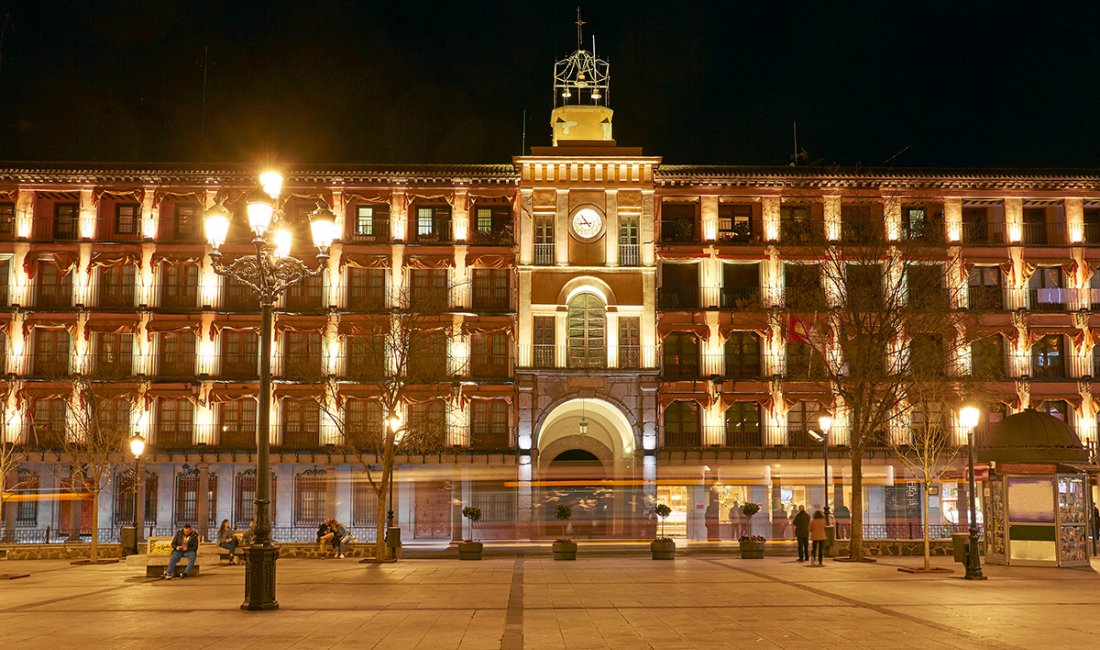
(95, 443)
(880, 315)
(401, 366)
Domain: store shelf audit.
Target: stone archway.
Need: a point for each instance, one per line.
(583, 443)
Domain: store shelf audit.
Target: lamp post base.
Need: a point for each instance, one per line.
(259, 578)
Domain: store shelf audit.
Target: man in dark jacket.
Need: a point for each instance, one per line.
(801, 523)
(184, 545)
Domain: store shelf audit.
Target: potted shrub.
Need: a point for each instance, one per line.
(564, 548)
(470, 549)
(752, 546)
(662, 548)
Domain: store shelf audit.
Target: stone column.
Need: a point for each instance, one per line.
(202, 501)
(611, 230)
(330, 491)
(561, 229)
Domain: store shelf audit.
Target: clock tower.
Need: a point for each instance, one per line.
(587, 371)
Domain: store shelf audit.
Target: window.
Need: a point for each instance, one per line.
(926, 287)
(544, 240)
(678, 222)
(743, 425)
(124, 498)
(179, 285)
(928, 425)
(804, 362)
(740, 286)
(1046, 290)
(364, 506)
(861, 224)
(187, 498)
(237, 424)
(1048, 358)
(586, 322)
(914, 224)
(795, 226)
(4, 276)
(302, 361)
(1035, 227)
(111, 416)
(543, 353)
(742, 355)
(804, 291)
(366, 289)
(186, 221)
(113, 354)
(48, 422)
(679, 286)
(987, 358)
(489, 358)
(630, 339)
(801, 419)
(365, 357)
(237, 296)
(51, 352)
(426, 357)
(240, 354)
(492, 289)
(244, 499)
(301, 424)
(127, 218)
(984, 288)
(433, 224)
(489, 424)
(430, 288)
(116, 286)
(927, 356)
(175, 417)
(628, 241)
(305, 295)
(176, 357)
(427, 422)
(26, 512)
(53, 286)
(863, 284)
(735, 223)
(372, 223)
(7, 218)
(66, 217)
(1092, 225)
(493, 225)
(363, 421)
(681, 420)
(1056, 408)
(977, 228)
(680, 356)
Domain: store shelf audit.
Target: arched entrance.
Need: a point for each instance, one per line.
(586, 449)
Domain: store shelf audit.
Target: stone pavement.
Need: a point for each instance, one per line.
(618, 602)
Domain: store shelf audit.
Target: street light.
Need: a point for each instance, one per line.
(825, 422)
(137, 448)
(393, 534)
(269, 271)
(968, 418)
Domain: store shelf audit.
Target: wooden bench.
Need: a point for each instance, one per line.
(159, 551)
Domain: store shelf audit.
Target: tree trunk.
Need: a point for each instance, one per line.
(927, 549)
(94, 550)
(855, 546)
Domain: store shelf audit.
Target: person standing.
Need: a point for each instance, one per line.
(817, 536)
(735, 521)
(802, 533)
(184, 545)
(710, 518)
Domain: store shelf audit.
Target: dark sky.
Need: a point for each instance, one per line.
(988, 84)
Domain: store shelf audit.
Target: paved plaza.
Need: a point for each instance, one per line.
(534, 602)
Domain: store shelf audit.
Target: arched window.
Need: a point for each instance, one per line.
(743, 355)
(587, 342)
(244, 498)
(681, 420)
(743, 425)
(187, 498)
(124, 497)
(680, 356)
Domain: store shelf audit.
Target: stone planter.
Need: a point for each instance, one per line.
(752, 550)
(469, 550)
(662, 549)
(565, 550)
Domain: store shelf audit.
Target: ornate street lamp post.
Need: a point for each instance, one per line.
(137, 448)
(968, 418)
(393, 534)
(268, 272)
(825, 422)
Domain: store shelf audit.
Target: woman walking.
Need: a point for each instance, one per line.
(817, 536)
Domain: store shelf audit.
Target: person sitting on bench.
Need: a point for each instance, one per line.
(184, 545)
(227, 539)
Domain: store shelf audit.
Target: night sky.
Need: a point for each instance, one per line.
(995, 84)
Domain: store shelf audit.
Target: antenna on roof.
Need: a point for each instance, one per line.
(796, 154)
(523, 146)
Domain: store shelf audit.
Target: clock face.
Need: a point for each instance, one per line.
(587, 223)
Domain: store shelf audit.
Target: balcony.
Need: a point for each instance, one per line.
(680, 367)
(112, 366)
(494, 237)
(364, 300)
(180, 300)
(800, 233)
(544, 254)
(361, 367)
(427, 368)
(679, 231)
(1092, 233)
(630, 255)
(1045, 234)
(304, 298)
(497, 366)
(740, 233)
(984, 298)
(240, 366)
(173, 365)
(484, 437)
(174, 435)
(735, 436)
(1050, 366)
(430, 299)
(53, 296)
(678, 438)
(732, 297)
(1050, 299)
(492, 299)
(301, 366)
(298, 436)
(239, 298)
(983, 234)
(115, 296)
(686, 297)
(50, 366)
(561, 357)
(731, 366)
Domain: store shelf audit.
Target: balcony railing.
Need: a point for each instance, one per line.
(1092, 233)
(564, 357)
(983, 234)
(174, 435)
(629, 255)
(731, 366)
(305, 298)
(497, 366)
(986, 298)
(298, 437)
(733, 436)
(1044, 234)
(544, 254)
(681, 438)
(798, 233)
(240, 366)
(366, 300)
(180, 300)
(686, 297)
(680, 367)
(485, 438)
(49, 366)
(432, 299)
(112, 366)
(731, 297)
(499, 237)
(115, 296)
(301, 366)
(361, 367)
(175, 365)
(1051, 299)
(679, 231)
(496, 299)
(740, 233)
(53, 296)
(1040, 367)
